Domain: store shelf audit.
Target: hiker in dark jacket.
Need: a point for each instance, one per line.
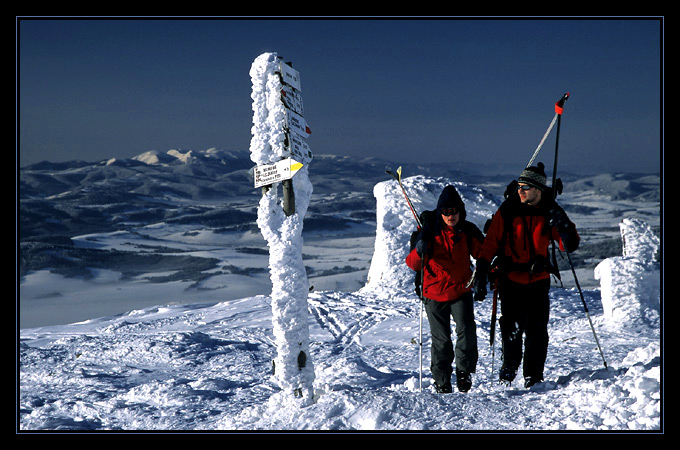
(445, 243)
(519, 236)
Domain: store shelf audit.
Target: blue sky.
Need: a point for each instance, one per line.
(406, 90)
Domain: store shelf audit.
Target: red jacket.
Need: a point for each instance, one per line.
(448, 264)
(524, 249)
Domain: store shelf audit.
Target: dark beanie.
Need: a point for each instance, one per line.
(449, 198)
(534, 176)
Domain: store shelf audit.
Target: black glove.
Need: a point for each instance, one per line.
(481, 279)
(558, 219)
(421, 247)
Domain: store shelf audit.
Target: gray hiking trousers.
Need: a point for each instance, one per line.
(442, 350)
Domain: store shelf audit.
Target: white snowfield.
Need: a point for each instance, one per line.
(208, 366)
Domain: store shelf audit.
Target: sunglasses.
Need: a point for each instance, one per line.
(524, 187)
(449, 211)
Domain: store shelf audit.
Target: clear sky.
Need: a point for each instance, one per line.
(408, 90)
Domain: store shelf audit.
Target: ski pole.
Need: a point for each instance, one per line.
(397, 177)
(492, 337)
(585, 307)
(559, 107)
(558, 110)
(420, 328)
(540, 144)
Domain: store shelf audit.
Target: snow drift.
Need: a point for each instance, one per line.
(631, 282)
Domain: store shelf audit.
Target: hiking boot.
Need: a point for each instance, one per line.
(444, 388)
(463, 380)
(506, 375)
(530, 381)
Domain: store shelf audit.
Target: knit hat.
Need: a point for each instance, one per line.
(534, 176)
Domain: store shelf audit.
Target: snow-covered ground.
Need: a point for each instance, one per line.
(205, 363)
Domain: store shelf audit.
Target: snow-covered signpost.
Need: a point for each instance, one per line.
(279, 149)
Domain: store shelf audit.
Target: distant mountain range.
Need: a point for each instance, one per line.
(73, 198)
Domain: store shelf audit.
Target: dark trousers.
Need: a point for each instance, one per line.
(442, 351)
(525, 310)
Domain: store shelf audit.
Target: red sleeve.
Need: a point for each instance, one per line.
(556, 237)
(414, 261)
(493, 238)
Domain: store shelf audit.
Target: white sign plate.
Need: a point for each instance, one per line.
(279, 171)
(295, 122)
(290, 76)
(298, 149)
(292, 99)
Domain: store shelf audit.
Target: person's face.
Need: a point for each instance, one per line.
(450, 216)
(529, 194)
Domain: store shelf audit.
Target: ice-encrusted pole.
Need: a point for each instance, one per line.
(280, 219)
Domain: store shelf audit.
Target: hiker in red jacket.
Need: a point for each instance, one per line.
(446, 242)
(519, 236)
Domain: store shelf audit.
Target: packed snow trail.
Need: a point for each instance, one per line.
(208, 367)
